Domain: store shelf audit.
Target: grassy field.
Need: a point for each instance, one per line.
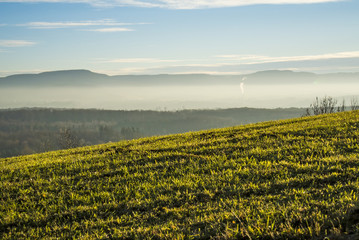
(291, 179)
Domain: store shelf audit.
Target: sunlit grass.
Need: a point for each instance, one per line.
(292, 179)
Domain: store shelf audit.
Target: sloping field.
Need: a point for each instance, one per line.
(292, 179)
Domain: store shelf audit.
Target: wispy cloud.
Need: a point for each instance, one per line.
(201, 4)
(255, 59)
(235, 64)
(111, 30)
(138, 60)
(181, 4)
(15, 43)
(232, 60)
(76, 24)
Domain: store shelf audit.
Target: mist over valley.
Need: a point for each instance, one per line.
(85, 89)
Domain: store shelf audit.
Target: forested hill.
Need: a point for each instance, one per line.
(25, 131)
(289, 179)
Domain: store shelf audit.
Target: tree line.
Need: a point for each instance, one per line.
(34, 130)
(329, 104)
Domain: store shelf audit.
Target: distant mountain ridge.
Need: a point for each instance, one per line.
(86, 78)
(54, 78)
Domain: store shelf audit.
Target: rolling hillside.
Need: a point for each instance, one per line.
(289, 179)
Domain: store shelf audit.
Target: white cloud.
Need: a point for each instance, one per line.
(74, 24)
(15, 43)
(230, 61)
(181, 4)
(255, 59)
(138, 60)
(200, 4)
(235, 64)
(111, 30)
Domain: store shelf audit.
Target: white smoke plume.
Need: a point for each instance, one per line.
(241, 85)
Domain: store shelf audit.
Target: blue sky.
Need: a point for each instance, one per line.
(170, 36)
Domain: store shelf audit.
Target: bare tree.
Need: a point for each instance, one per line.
(67, 139)
(354, 103)
(307, 113)
(323, 106)
(341, 108)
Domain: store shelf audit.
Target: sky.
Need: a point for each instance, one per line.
(118, 37)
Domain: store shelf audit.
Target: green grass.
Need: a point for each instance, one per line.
(291, 179)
